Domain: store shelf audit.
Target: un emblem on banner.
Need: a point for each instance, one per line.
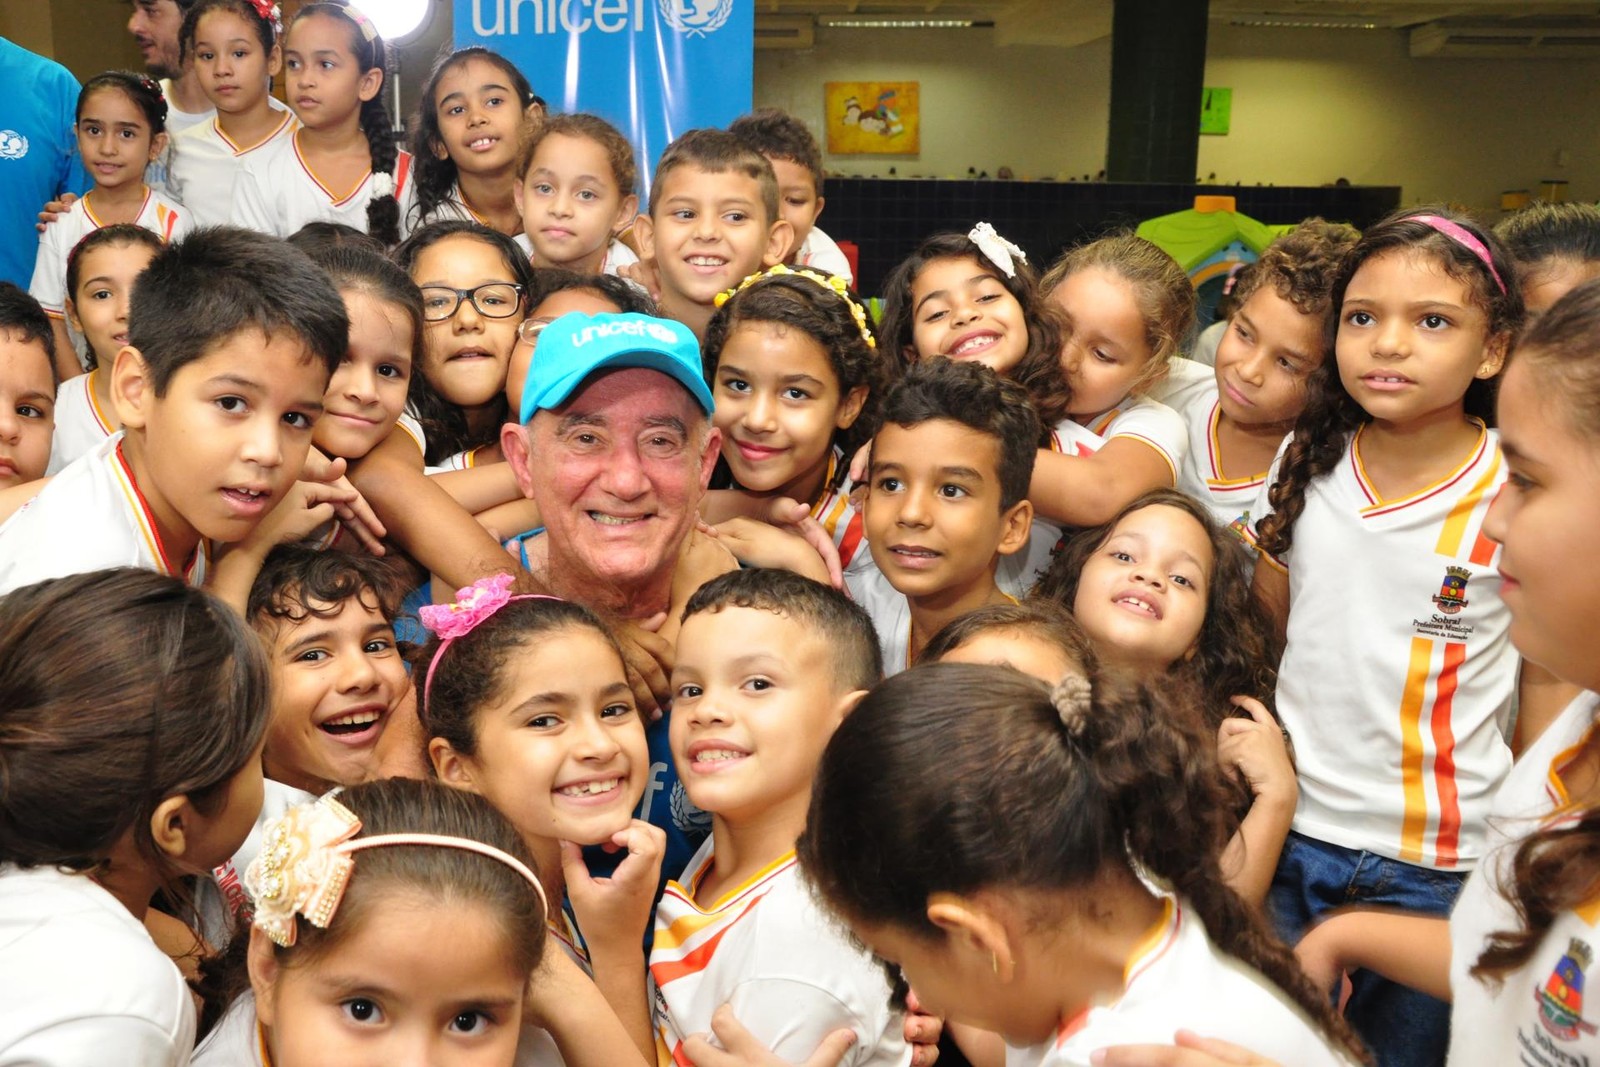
(696, 18)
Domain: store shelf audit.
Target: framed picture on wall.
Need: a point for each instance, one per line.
(873, 118)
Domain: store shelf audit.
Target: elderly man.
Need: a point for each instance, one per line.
(616, 447)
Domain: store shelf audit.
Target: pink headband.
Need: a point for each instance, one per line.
(1463, 237)
(304, 865)
(472, 606)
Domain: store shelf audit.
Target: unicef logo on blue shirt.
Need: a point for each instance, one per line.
(14, 146)
(696, 18)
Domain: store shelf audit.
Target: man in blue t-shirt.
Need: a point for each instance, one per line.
(38, 152)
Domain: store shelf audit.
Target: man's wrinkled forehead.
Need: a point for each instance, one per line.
(639, 393)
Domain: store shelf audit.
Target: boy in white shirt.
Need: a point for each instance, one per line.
(946, 501)
(796, 159)
(768, 664)
(232, 338)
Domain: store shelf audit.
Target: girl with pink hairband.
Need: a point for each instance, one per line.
(1398, 680)
(397, 922)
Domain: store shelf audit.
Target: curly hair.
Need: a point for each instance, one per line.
(1236, 653)
(1039, 371)
(370, 52)
(618, 149)
(1556, 868)
(1331, 416)
(1301, 266)
(434, 178)
(1095, 787)
(1161, 288)
(800, 303)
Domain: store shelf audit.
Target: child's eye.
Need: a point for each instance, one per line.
(1121, 557)
(760, 685)
(684, 214)
(1520, 482)
(796, 393)
(544, 188)
(312, 655)
(239, 53)
(1359, 318)
(454, 109)
(1104, 357)
(1288, 365)
(1183, 580)
(616, 711)
(588, 194)
(470, 1022)
(688, 691)
(204, 55)
(935, 315)
(495, 101)
(362, 1010)
(543, 722)
(735, 216)
(1434, 322)
(298, 419)
(887, 485)
(989, 298)
(953, 492)
(231, 404)
(100, 294)
(736, 385)
(29, 411)
(390, 370)
(378, 645)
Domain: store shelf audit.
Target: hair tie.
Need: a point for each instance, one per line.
(1463, 237)
(270, 14)
(382, 184)
(996, 249)
(304, 865)
(1072, 697)
(472, 605)
(832, 282)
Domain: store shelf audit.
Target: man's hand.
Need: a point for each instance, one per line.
(54, 210)
(648, 658)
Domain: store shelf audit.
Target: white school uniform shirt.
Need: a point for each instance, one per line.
(82, 983)
(618, 255)
(206, 163)
(81, 423)
(839, 516)
(160, 215)
(888, 608)
(1176, 979)
(1545, 1012)
(820, 250)
(89, 517)
(1399, 674)
(178, 121)
(1202, 476)
(787, 968)
(277, 193)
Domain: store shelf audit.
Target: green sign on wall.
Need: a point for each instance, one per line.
(1216, 108)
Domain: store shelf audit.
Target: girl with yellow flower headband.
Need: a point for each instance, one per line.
(792, 361)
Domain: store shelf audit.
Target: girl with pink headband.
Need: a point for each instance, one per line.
(1398, 679)
(395, 922)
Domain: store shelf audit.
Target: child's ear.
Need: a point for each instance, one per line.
(779, 237)
(262, 965)
(1015, 524)
(625, 214)
(453, 769)
(817, 214)
(1494, 355)
(275, 61)
(132, 392)
(158, 145)
(370, 84)
(71, 307)
(973, 930)
(847, 704)
(517, 194)
(441, 153)
(644, 231)
(850, 408)
(171, 825)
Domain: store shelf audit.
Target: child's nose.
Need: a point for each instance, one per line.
(762, 413)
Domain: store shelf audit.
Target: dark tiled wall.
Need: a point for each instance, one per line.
(888, 217)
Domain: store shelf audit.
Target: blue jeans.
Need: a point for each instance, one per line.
(1404, 1028)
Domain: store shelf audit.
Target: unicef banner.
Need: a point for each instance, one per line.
(654, 68)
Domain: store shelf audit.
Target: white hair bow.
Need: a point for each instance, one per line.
(999, 251)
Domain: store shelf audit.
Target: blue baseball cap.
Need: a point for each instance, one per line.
(575, 346)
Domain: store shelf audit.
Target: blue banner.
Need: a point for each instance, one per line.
(653, 68)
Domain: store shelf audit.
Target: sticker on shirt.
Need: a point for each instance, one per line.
(1449, 600)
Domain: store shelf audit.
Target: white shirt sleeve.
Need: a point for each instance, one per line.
(1157, 426)
(87, 1042)
(49, 285)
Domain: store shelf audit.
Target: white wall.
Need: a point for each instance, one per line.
(1309, 106)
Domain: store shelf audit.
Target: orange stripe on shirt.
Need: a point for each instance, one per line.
(695, 961)
(1415, 821)
(1448, 841)
(1454, 530)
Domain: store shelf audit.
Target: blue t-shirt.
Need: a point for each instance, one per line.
(38, 152)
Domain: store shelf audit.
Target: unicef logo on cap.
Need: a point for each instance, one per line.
(696, 18)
